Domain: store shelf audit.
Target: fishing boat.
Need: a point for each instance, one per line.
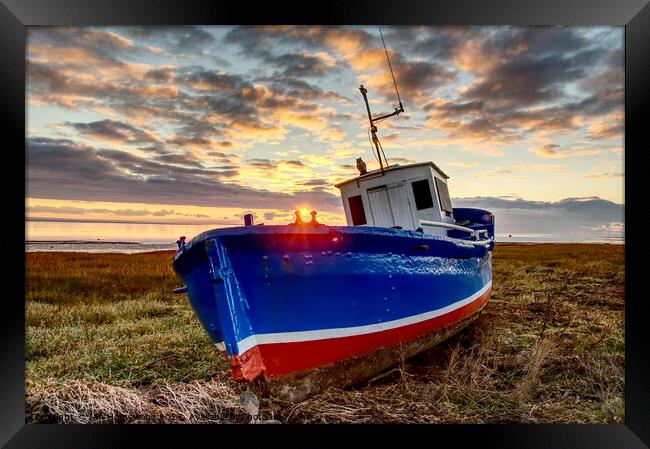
(299, 307)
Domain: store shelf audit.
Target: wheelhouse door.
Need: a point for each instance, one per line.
(380, 207)
(400, 206)
(390, 206)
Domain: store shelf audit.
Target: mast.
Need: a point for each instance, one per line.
(397, 111)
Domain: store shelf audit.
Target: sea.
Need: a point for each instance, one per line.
(105, 237)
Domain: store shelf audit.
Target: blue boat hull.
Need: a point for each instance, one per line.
(290, 299)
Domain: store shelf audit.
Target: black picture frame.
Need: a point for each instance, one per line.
(16, 15)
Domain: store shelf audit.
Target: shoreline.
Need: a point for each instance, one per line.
(82, 242)
(119, 247)
(119, 242)
(85, 246)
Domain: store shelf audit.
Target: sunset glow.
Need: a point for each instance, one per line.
(198, 126)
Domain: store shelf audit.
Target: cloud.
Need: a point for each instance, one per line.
(289, 68)
(317, 182)
(555, 151)
(530, 78)
(180, 159)
(294, 163)
(175, 39)
(588, 207)
(606, 130)
(178, 121)
(209, 80)
(160, 75)
(402, 160)
(521, 84)
(84, 69)
(334, 134)
(81, 45)
(270, 165)
(357, 48)
(570, 219)
(67, 210)
(299, 88)
(49, 83)
(549, 150)
(600, 176)
(341, 39)
(499, 172)
(462, 164)
(63, 169)
(114, 132)
(416, 79)
(302, 64)
(202, 104)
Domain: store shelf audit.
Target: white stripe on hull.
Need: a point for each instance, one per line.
(322, 334)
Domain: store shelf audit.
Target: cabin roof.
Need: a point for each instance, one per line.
(390, 168)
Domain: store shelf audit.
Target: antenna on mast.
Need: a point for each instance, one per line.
(397, 111)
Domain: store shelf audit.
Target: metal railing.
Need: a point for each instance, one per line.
(476, 233)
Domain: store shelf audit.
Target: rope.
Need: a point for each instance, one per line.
(382, 152)
(390, 67)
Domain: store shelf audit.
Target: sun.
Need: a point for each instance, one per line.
(304, 212)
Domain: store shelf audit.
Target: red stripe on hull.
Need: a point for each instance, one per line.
(279, 359)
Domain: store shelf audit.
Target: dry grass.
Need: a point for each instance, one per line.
(108, 342)
(84, 402)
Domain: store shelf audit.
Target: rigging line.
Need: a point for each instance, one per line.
(391, 68)
(382, 152)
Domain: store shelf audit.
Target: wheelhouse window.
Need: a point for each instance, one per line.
(356, 210)
(443, 195)
(422, 194)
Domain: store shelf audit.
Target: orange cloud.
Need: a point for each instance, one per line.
(500, 172)
(554, 151)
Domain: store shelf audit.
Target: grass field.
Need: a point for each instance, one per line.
(107, 341)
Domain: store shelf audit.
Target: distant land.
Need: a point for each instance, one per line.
(587, 219)
(90, 220)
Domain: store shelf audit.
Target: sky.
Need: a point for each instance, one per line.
(200, 125)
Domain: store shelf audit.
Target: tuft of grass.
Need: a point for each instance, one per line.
(84, 402)
(108, 342)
